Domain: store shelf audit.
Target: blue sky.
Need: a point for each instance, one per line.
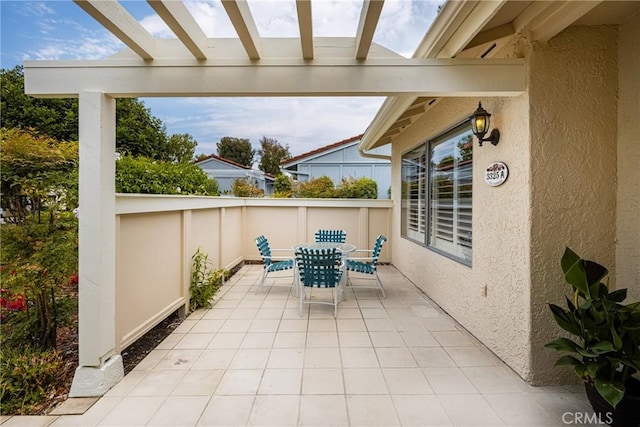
(61, 30)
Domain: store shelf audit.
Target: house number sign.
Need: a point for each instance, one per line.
(496, 174)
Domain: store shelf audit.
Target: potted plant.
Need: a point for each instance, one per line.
(607, 348)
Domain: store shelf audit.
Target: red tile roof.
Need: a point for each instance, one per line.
(322, 149)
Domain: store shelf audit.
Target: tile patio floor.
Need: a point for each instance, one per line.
(252, 360)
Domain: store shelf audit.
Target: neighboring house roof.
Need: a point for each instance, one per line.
(322, 150)
(232, 163)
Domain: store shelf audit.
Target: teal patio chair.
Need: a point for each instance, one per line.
(272, 264)
(367, 266)
(331, 236)
(319, 268)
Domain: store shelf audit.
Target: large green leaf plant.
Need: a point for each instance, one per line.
(606, 344)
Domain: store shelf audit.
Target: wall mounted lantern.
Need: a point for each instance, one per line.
(480, 125)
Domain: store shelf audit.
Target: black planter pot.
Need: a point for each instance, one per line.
(626, 414)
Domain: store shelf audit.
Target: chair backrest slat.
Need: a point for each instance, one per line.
(319, 267)
(376, 249)
(264, 249)
(331, 236)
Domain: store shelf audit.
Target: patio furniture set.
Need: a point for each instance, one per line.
(324, 263)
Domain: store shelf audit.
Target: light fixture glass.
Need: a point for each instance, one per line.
(480, 123)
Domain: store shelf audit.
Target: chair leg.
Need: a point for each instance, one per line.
(335, 302)
(381, 287)
(264, 275)
(301, 297)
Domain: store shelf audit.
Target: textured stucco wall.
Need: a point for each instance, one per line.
(628, 221)
(573, 114)
(500, 232)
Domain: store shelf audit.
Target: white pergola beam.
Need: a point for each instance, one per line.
(563, 15)
(178, 18)
(115, 18)
(330, 77)
(305, 23)
(242, 20)
(369, 17)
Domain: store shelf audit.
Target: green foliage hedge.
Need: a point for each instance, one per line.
(241, 187)
(349, 188)
(27, 378)
(147, 176)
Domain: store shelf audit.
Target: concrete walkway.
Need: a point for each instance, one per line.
(252, 360)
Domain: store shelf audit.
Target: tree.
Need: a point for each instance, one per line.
(138, 132)
(181, 147)
(272, 153)
(236, 149)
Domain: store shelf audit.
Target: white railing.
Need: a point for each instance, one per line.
(156, 236)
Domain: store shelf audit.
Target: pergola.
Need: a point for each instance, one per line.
(192, 65)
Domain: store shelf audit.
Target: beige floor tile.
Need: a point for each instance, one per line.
(423, 411)
(557, 404)
(194, 341)
(290, 340)
(226, 340)
(151, 360)
(169, 342)
(264, 325)
(214, 359)
(248, 302)
(293, 313)
(395, 357)
(432, 357)
(364, 381)
(372, 410)
(406, 381)
(132, 411)
(275, 411)
(30, 421)
(91, 418)
(126, 384)
(185, 326)
(207, 326)
(198, 382)
(472, 357)
(495, 380)
(409, 324)
(359, 357)
(250, 359)
(274, 303)
(370, 303)
(386, 339)
(183, 411)
(322, 358)
(322, 339)
(351, 325)
(269, 313)
(452, 339)
(322, 381)
(179, 359)
(419, 338)
(348, 313)
(469, 410)
(425, 311)
(157, 383)
(236, 325)
(322, 325)
(226, 303)
(281, 381)
(374, 313)
(439, 324)
(354, 339)
(258, 340)
(218, 313)
(448, 381)
(293, 325)
(323, 410)
(227, 411)
(240, 381)
(380, 325)
(520, 409)
(286, 358)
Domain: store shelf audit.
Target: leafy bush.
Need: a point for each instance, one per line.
(38, 173)
(39, 263)
(241, 187)
(27, 377)
(146, 176)
(361, 188)
(321, 187)
(282, 184)
(205, 280)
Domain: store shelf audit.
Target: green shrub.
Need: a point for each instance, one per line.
(145, 176)
(361, 188)
(205, 281)
(40, 263)
(27, 378)
(282, 185)
(241, 187)
(321, 187)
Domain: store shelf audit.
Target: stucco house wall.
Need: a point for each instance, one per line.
(561, 140)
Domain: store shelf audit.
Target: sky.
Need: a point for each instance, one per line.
(45, 30)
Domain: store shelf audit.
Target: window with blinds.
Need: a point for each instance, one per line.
(414, 193)
(450, 193)
(437, 180)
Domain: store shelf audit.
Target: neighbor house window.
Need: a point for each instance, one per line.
(437, 193)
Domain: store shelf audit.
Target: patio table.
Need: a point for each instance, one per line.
(344, 248)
